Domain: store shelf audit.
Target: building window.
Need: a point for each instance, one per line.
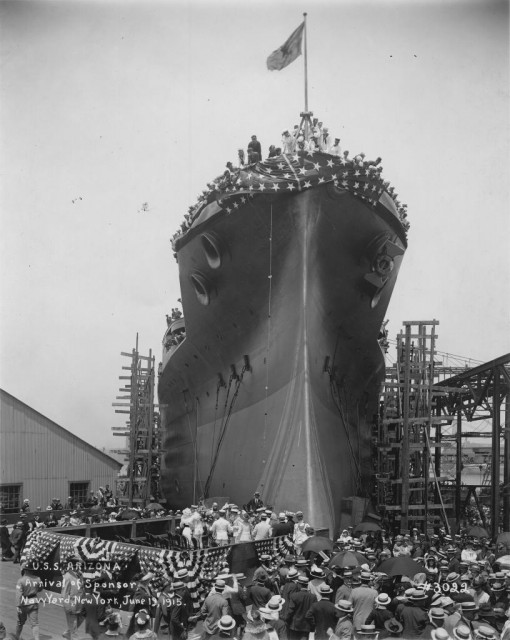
(10, 498)
(79, 492)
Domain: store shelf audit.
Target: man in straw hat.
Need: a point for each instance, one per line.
(413, 616)
(322, 614)
(300, 602)
(344, 627)
(290, 587)
(171, 608)
(225, 629)
(380, 612)
(215, 606)
(437, 619)
(363, 598)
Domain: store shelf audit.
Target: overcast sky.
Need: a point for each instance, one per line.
(106, 106)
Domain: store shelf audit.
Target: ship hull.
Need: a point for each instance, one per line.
(276, 384)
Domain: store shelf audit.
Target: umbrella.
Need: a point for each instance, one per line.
(155, 506)
(504, 562)
(400, 566)
(504, 538)
(348, 559)
(96, 509)
(477, 532)
(367, 526)
(129, 514)
(317, 544)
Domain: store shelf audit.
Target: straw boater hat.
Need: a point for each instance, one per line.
(225, 623)
(383, 600)
(325, 589)
(366, 630)
(272, 609)
(219, 586)
(484, 633)
(418, 595)
(393, 626)
(182, 573)
(440, 634)
(344, 607)
(468, 606)
(303, 580)
(462, 632)
(437, 614)
(292, 574)
(316, 572)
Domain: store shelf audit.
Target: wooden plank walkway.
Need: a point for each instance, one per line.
(52, 622)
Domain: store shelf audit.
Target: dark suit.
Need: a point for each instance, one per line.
(321, 616)
(283, 529)
(288, 589)
(300, 603)
(259, 595)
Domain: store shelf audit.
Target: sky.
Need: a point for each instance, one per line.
(114, 115)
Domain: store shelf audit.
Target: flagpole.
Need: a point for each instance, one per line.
(306, 67)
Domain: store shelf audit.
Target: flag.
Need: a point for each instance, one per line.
(288, 52)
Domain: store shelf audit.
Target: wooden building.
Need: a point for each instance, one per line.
(41, 460)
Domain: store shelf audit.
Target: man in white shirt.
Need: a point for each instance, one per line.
(221, 529)
(262, 529)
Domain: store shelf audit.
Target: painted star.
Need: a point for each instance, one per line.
(262, 186)
(302, 171)
(275, 187)
(236, 205)
(356, 185)
(330, 163)
(321, 180)
(290, 186)
(317, 166)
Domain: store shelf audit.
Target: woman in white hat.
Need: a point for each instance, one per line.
(276, 627)
(256, 628)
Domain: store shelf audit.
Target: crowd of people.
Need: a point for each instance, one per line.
(458, 593)
(458, 588)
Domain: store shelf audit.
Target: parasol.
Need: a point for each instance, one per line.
(504, 562)
(96, 509)
(155, 506)
(347, 559)
(477, 532)
(129, 514)
(504, 538)
(367, 526)
(400, 566)
(317, 544)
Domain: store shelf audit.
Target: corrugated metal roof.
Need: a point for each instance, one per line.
(66, 432)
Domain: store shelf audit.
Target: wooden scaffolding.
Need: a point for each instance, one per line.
(411, 492)
(140, 484)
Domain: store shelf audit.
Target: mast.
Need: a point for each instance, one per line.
(306, 66)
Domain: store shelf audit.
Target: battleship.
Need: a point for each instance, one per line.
(271, 379)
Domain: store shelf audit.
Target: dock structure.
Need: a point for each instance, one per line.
(423, 408)
(141, 480)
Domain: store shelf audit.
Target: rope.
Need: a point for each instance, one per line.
(223, 431)
(270, 278)
(344, 423)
